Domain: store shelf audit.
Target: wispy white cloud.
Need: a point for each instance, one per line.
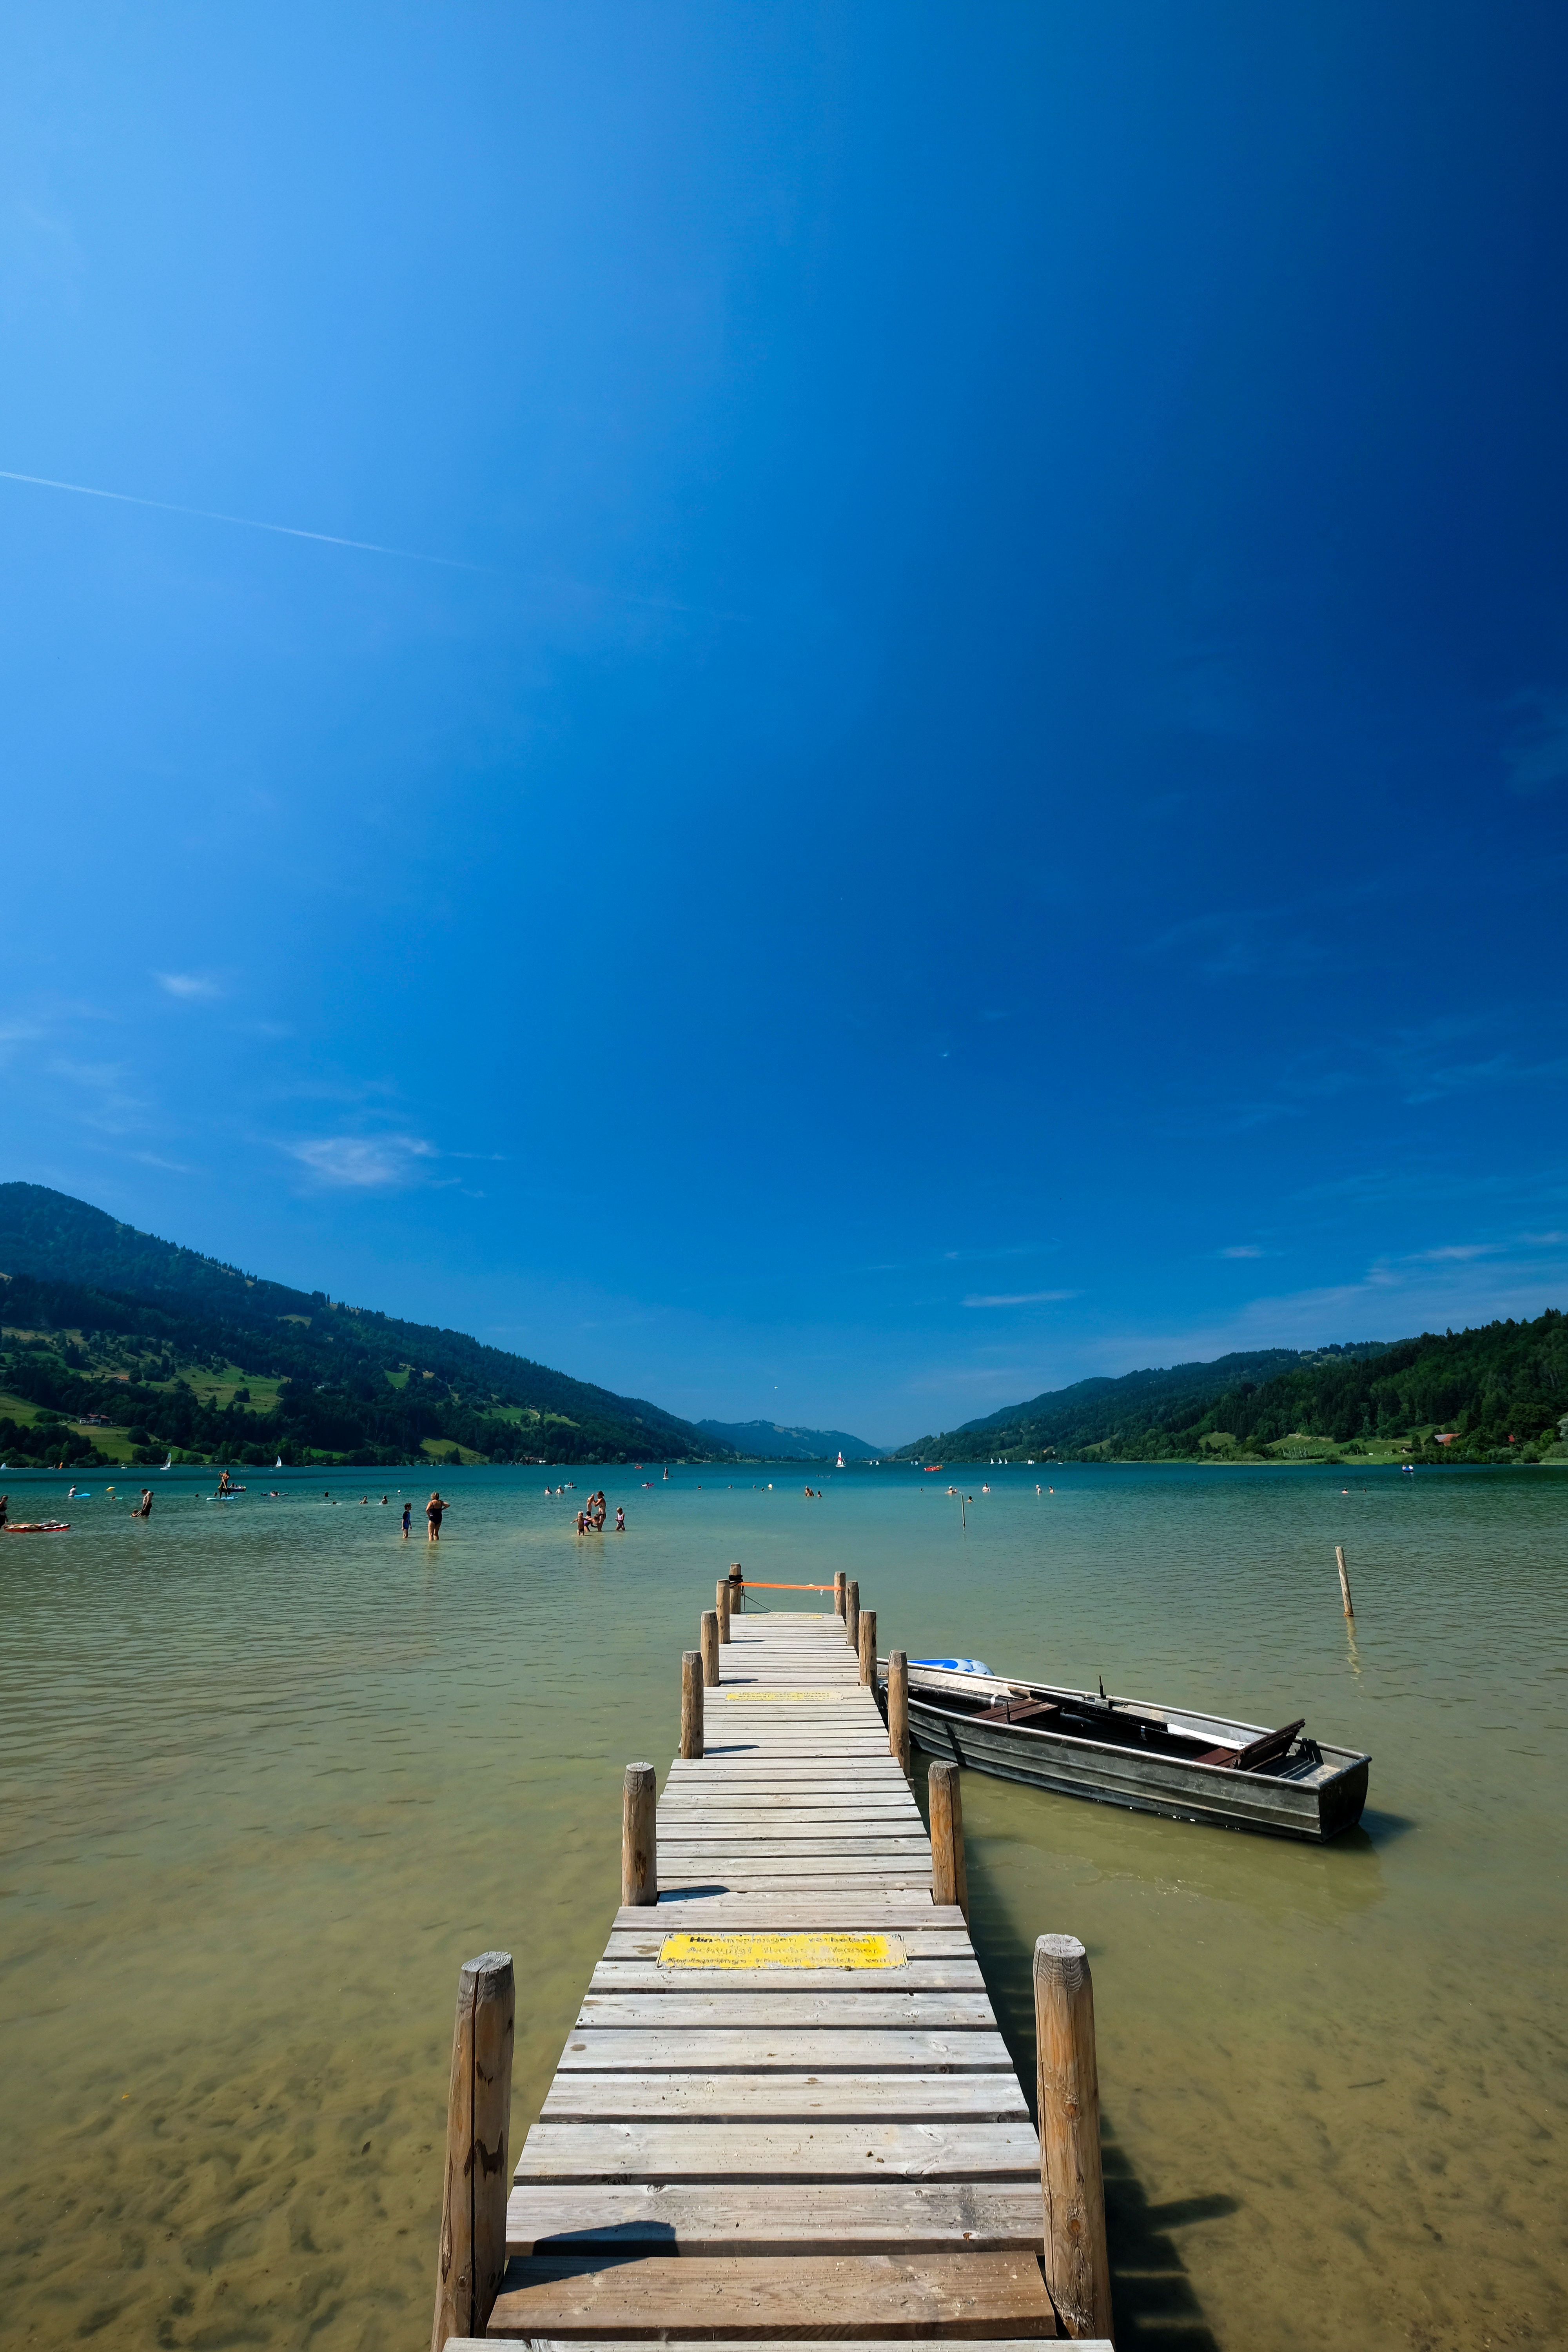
(1245, 1249)
(240, 523)
(1019, 1298)
(189, 987)
(363, 1162)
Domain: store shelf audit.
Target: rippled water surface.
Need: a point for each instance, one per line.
(270, 1775)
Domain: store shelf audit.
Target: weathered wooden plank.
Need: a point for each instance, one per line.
(843, 2217)
(842, 1854)
(820, 2150)
(880, 2296)
(782, 2097)
(679, 2042)
(792, 1914)
(842, 1836)
(641, 1996)
(876, 1817)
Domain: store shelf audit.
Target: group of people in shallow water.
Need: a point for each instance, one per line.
(592, 1516)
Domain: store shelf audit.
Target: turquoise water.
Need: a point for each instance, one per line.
(270, 1775)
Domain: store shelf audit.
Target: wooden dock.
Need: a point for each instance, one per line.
(786, 2109)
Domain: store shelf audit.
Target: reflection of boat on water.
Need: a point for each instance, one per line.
(1136, 1753)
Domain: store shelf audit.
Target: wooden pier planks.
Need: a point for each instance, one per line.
(760, 2152)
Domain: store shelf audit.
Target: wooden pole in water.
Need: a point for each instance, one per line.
(690, 1703)
(948, 1878)
(852, 1615)
(868, 1649)
(838, 1592)
(639, 1835)
(1344, 1581)
(1077, 2264)
(472, 2252)
(898, 1707)
(721, 1603)
(707, 1634)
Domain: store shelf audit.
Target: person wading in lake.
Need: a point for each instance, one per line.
(433, 1510)
(407, 1519)
(144, 1509)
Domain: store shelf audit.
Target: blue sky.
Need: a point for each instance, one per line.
(960, 776)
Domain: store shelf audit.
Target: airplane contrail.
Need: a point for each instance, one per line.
(243, 522)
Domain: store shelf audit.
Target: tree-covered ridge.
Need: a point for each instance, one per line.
(1499, 1394)
(776, 1440)
(181, 1352)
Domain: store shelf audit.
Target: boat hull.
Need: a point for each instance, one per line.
(1315, 1809)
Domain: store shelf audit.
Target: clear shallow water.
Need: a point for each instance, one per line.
(270, 1775)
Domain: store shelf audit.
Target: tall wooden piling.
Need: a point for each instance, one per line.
(707, 1634)
(898, 1707)
(690, 1703)
(721, 1604)
(868, 1649)
(1077, 2264)
(838, 1581)
(1344, 1581)
(640, 1849)
(472, 2252)
(948, 1878)
(852, 1615)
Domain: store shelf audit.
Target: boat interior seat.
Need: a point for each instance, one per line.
(1017, 1710)
(1269, 1749)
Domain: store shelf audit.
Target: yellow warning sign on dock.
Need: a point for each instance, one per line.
(824, 1951)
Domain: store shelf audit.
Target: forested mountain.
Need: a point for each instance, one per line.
(181, 1352)
(1496, 1394)
(771, 1441)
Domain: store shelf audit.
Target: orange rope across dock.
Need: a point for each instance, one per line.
(759, 1584)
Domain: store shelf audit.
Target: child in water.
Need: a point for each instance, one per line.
(620, 1518)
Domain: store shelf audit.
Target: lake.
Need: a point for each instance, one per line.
(270, 1775)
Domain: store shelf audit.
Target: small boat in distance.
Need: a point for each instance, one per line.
(839, 1463)
(1137, 1753)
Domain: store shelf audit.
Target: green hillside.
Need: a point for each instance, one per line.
(179, 1353)
(1496, 1394)
(774, 1441)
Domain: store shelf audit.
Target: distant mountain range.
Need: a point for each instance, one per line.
(770, 1441)
(181, 1352)
(1499, 1394)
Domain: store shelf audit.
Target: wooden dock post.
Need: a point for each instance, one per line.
(948, 1878)
(899, 1708)
(868, 1649)
(472, 2254)
(721, 1603)
(690, 1703)
(707, 1634)
(1344, 1581)
(838, 1592)
(1077, 2264)
(852, 1615)
(737, 1583)
(639, 1833)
